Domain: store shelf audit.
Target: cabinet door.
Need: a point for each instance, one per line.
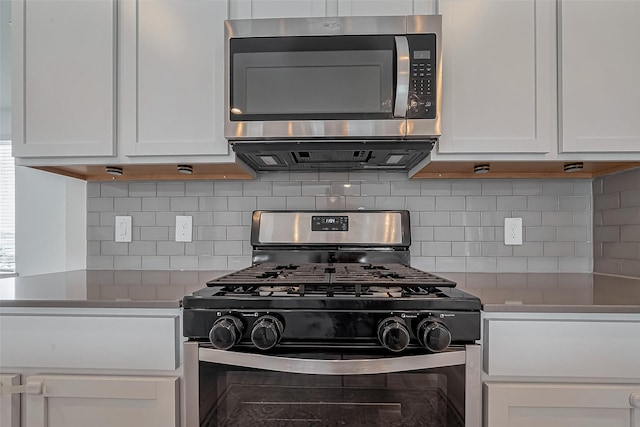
(9, 402)
(498, 76)
(560, 405)
(64, 58)
(172, 77)
(599, 84)
(102, 401)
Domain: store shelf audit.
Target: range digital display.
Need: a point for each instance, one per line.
(329, 223)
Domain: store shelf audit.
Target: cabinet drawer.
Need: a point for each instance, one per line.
(89, 342)
(562, 348)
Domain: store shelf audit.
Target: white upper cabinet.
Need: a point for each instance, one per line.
(599, 96)
(256, 9)
(499, 76)
(172, 77)
(63, 58)
(385, 7)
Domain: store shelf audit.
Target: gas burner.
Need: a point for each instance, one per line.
(276, 290)
(386, 291)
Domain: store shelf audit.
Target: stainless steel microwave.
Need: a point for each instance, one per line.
(334, 79)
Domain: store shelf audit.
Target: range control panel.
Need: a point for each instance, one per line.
(422, 81)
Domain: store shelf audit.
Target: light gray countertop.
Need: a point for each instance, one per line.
(103, 288)
(499, 292)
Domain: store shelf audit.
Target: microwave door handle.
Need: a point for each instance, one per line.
(402, 77)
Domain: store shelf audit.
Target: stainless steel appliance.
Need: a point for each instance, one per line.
(331, 325)
(333, 93)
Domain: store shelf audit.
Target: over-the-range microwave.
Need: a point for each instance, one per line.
(333, 93)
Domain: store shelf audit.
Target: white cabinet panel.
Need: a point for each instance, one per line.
(560, 405)
(375, 7)
(599, 84)
(499, 76)
(562, 348)
(172, 77)
(89, 342)
(102, 401)
(9, 402)
(246, 9)
(64, 56)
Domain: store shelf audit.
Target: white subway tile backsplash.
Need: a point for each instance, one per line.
(375, 189)
(142, 189)
(241, 204)
(182, 204)
(302, 203)
(420, 203)
(558, 187)
(198, 248)
(227, 188)
(466, 187)
(154, 233)
(542, 203)
(142, 248)
(155, 204)
(630, 198)
(448, 234)
(405, 188)
(287, 189)
(466, 218)
(257, 188)
(271, 203)
(390, 202)
(457, 225)
(315, 188)
(497, 187)
(183, 262)
(574, 203)
(450, 203)
(167, 188)
(199, 188)
(435, 188)
(114, 189)
(127, 262)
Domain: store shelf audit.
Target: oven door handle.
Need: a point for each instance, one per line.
(402, 77)
(332, 367)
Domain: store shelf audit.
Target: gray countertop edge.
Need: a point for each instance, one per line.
(559, 308)
(90, 304)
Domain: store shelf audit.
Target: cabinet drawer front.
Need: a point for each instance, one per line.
(84, 342)
(561, 348)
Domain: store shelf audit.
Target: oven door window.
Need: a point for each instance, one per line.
(312, 78)
(234, 396)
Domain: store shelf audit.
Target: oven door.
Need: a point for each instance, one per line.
(228, 388)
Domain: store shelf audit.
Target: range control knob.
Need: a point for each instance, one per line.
(226, 332)
(433, 335)
(393, 334)
(266, 332)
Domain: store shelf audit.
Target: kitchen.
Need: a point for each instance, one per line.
(457, 224)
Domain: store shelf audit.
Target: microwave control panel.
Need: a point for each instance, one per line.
(422, 78)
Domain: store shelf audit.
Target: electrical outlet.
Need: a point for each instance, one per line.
(513, 231)
(184, 227)
(123, 229)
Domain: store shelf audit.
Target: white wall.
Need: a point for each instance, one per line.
(51, 223)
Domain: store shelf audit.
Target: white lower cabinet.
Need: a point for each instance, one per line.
(561, 405)
(561, 369)
(9, 402)
(101, 401)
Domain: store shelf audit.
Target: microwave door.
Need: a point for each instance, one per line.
(309, 87)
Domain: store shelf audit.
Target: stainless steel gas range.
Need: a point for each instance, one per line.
(331, 325)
